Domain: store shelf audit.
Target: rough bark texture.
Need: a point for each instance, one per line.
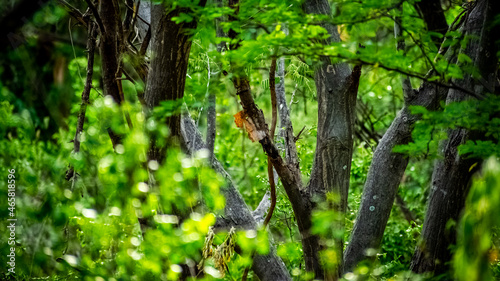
(170, 47)
(110, 47)
(336, 87)
(385, 173)
(267, 267)
(452, 174)
(387, 168)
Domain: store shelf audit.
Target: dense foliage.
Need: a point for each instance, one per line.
(87, 227)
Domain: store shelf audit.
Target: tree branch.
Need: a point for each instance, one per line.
(286, 127)
(74, 12)
(260, 212)
(96, 15)
(92, 33)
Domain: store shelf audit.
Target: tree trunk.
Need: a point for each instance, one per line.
(434, 18)
(382, 182)
(110, 47)
(170, 47)
(337, 88)
(170, 53)
(452, 175)
(387, 169)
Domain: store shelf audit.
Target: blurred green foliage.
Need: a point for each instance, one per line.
(87, 228)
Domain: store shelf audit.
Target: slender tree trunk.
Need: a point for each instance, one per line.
(211, 109)
(452, 175)
(91, 42)
(286, 127)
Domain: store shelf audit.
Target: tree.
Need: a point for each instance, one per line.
(158, 62)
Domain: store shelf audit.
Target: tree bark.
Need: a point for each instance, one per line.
(451, 176)
(110, 47)
(385, 174)
(170, 47)
(337, 88)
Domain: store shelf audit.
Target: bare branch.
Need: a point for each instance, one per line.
(74, 12)
(91, 42)
(145, 43)
(96, 15)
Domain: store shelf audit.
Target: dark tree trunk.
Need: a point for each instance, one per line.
(434, 18)
(110, 47)
(170, 47)
(452, 175)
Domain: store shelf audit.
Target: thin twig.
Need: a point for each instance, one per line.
(70, 174)
(74, 12)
